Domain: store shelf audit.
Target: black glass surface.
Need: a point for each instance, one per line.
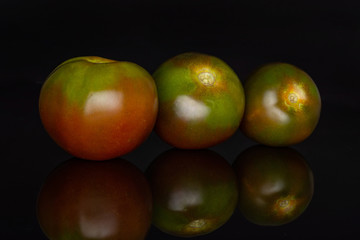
(320, 37)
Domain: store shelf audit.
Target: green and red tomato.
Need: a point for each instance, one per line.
(275, 185)
(194, 192)
(201, 101)
(282, 105)
(97, 108)
(101, 200)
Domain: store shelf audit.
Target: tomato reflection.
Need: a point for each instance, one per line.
(275, 185)
(95, 200)
(194, 191)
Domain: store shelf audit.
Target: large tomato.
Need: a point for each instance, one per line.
(194, 192)
(275, 185)
(282, 105)
(201, 101)
(97, 108)
(108, 200)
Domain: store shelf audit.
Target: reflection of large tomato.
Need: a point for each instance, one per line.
(95, 200)
(201, 101)
(194, 192)
(282, 105)
(97, 108)
(275, 184)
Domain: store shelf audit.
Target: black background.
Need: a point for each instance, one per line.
(321, 37)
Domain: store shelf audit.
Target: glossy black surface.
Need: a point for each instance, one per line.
(321, 37)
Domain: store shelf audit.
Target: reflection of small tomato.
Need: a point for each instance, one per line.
(275, 185)
(97, 108)
(201, 101)
(194, 192)
(282, 105)
(95, 200)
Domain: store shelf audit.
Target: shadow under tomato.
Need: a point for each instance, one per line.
(194, 191)
(275, 185)
(84, 199)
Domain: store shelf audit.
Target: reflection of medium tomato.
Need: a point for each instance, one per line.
(201, 101)
(282, 105)
(97, 108)
(95, 200)
(194, 192)
(275, 184)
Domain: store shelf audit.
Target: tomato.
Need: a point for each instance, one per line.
(282, 105)
(97, 108)
(194, 192)
(275, 185)
(84, 199)
(201, 101)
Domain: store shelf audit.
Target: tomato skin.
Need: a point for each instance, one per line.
(201, 101)
(194, 192)
(84, 199)
(282, 106)
(275, 185)
(98, 109)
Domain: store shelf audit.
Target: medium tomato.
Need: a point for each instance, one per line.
(84, 199)
(282, 105)
(194, 192)
(275, 185)
(97, 108)
(201, 101)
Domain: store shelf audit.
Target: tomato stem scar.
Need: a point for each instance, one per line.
(293, 98)
(206, 78)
